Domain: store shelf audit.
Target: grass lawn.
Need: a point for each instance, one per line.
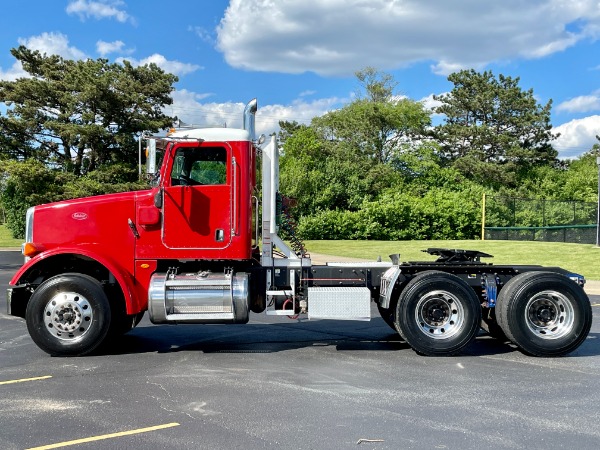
(6, 239)
(580, 258)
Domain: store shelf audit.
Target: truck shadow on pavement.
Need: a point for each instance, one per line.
(280, 337)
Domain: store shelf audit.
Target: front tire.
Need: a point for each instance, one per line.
(68, 315)
(438, 314)
(544, 313)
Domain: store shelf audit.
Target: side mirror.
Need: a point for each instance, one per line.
(158, 198)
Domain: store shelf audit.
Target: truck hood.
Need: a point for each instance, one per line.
(101, 220)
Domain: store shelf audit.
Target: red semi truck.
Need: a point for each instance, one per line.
(193, 249)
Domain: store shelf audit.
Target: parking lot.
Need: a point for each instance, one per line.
(281, 383)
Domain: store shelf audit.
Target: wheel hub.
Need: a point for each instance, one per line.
(68, 316)
(439, 314)
(549, 315)
(546, 315)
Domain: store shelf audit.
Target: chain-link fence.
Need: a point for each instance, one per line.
(540, 220)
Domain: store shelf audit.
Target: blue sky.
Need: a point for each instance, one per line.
(299, 57)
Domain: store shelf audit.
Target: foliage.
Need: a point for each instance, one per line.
(378, 87)
(439, 214)
(80, 115)
(24, 185)
(30, 183)
(376, 131)
(492, 128)
(344, 158)
(369, 171)
(319, 176)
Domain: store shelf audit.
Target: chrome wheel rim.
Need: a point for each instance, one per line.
(549, 315)
(439, 315)
(68, 316)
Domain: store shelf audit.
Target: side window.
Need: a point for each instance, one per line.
(199, 166)
(178, 165)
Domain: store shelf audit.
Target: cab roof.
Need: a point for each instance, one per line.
(211, 134)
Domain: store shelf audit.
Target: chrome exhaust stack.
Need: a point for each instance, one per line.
(249, 118)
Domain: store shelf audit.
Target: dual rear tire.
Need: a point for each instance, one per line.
(543, 313)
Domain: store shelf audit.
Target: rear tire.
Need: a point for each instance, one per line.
(68, 315)
(438, 314)
(544, 313)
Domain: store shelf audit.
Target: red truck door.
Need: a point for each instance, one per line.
(198, 200)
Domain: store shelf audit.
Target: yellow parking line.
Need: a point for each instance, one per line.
(26, 379)
(105, 436)
(595, 304)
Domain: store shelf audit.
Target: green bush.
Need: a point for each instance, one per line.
(436, 215)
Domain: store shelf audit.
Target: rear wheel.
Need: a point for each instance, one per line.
(544, 313)
(438, 314)
(68, 315)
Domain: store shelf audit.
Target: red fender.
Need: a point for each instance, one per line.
(125, 280)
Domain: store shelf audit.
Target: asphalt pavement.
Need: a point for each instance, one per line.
(291, 384)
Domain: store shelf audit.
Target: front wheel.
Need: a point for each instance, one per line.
(68, 315)
(438, 314)
(544, 313)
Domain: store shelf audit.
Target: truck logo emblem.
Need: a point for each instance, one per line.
(79, 216)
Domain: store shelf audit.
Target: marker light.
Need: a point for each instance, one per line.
(31, 249)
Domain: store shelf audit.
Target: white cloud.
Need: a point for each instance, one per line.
(16, 71)
(337, 37)
(581, 104)
(430, 103)
(189, 108)
(104, 48)
(577, 136)
(268, 117)
(103, 9)
(174, 67)
(52, 44)
(45, 43)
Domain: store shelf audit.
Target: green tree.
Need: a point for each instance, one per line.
(375, 130)
(377, 86)
(344, 158)
(378, 125)
(492, 128)
(79, 115)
